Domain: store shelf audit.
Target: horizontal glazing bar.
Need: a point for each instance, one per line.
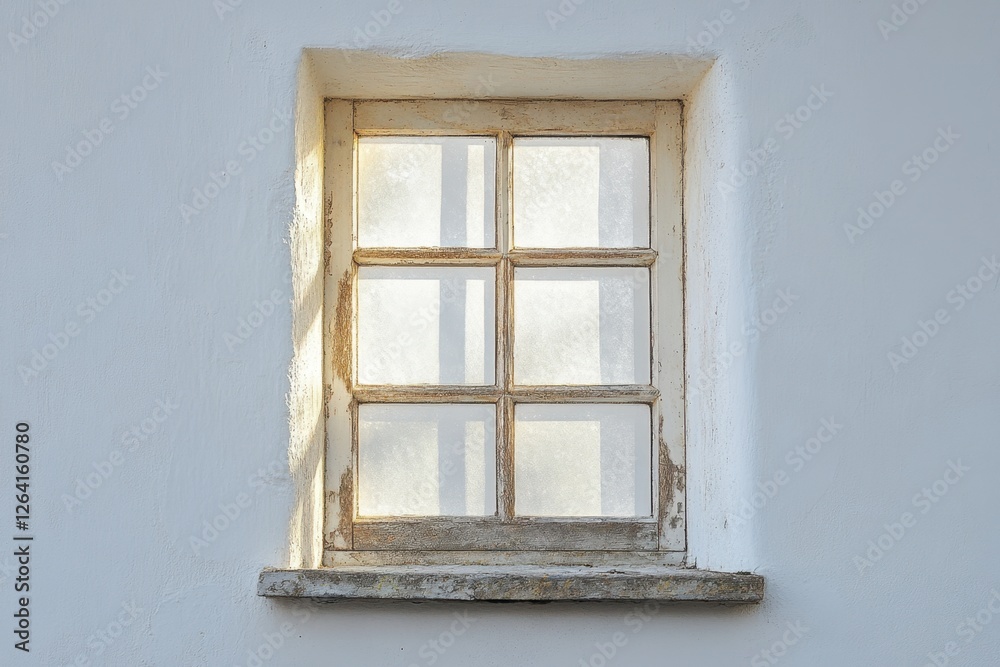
(473, 394)
(427, 256)
(521, 257)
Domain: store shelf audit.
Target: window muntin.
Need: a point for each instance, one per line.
(586, 378)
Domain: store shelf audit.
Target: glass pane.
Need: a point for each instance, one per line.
(421, 192)
(581, 192)
(426, 325)
(582, 460)
(581, 326)
(426, 460)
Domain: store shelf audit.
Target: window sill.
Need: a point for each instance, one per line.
(510, 583)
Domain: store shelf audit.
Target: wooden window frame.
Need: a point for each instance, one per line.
(345, 534)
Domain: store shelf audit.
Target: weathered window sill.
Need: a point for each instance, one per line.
(512, 583)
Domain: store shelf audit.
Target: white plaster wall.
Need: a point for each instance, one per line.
(164, 336)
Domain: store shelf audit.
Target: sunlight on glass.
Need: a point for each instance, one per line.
(426, 325)
(581, 192)
(581, 326)
(582, 460)
(426, 460)
(421, 192)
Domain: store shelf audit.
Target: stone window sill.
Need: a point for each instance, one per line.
(509, 583)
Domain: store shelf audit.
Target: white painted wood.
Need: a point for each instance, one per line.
(505, 329)
(583, 257)
(427, 257)
(662, 123)
(337, 324)
(414, 117)
(623, 393)
(668, 304)
(499, 557)
(517, 533)
(519, 257)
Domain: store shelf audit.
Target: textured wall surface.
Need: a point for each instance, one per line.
(843, 317)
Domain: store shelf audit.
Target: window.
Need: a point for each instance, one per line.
(499, 309)
(505, 343)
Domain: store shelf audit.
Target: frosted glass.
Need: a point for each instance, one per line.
(583, 460)
(426, 460)
(426, 192)
(581, 192)
(426, 325)
(581, 326)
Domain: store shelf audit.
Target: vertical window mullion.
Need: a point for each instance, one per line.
(505, 328)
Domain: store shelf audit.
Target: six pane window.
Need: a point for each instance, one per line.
(526, 334)
(504, 326)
